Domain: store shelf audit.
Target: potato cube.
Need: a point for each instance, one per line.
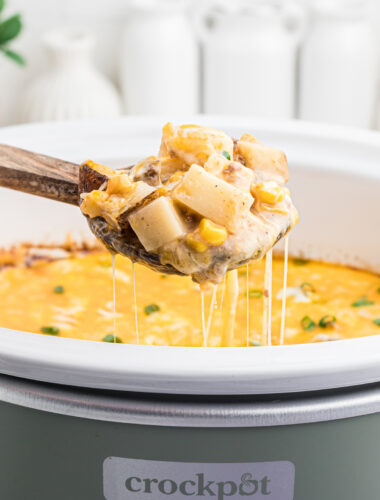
(269, 163)
(157, 224)
(212, 197)
(136, 194)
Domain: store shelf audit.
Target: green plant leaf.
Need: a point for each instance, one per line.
(10, 29)
(2, 5)
(14, 56)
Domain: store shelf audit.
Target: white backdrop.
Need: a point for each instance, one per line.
(105, 18)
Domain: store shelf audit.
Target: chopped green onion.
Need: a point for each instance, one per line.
(300, 262)
(378, 290)
(242, 273)
(363, 301)
(164, 275)
(307, 288)
(255, 294)
(227, 155)
(111, 338)
(255, 343)
(307, 323)
(327, 321)
(59, 290)
(50, 330)
(152, 308)
(377, 321)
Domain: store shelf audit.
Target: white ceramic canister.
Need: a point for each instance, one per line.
(338, 65)
(250, 54)
(159, 68)
(71, 88)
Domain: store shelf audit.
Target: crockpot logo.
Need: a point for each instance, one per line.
(200, 486)
(137, 479)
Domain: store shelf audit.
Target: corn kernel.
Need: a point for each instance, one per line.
(212, 233)
(195, 244)
(268, 192)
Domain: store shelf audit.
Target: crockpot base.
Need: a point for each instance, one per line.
(49, 455)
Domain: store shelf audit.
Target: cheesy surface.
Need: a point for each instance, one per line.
(72, 297)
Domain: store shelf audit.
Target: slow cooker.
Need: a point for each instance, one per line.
(83, 420)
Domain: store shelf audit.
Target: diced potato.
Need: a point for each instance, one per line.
(194, 144)
(269, 163)
(232, 172)
(136, 194)
(90, 179)
(212, 197)
(238, 175)
(212, 233)
(157, 224)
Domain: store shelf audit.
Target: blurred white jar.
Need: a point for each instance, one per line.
(338, 64)
(159, 67)
(250, 52)
(71, 88)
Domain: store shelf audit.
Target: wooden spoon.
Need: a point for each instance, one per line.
(58, 180)
(39, 174)
(64, 181)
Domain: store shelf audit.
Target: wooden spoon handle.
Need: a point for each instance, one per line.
(39, 174)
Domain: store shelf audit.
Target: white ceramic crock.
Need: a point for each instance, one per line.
(335, 176)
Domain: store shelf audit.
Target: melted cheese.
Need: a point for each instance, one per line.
(168, 307)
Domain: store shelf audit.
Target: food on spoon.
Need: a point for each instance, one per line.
(214, 198)
(205, 205)
(157, 224)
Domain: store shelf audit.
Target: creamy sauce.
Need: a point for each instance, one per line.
(73, 297)
(205, 205)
